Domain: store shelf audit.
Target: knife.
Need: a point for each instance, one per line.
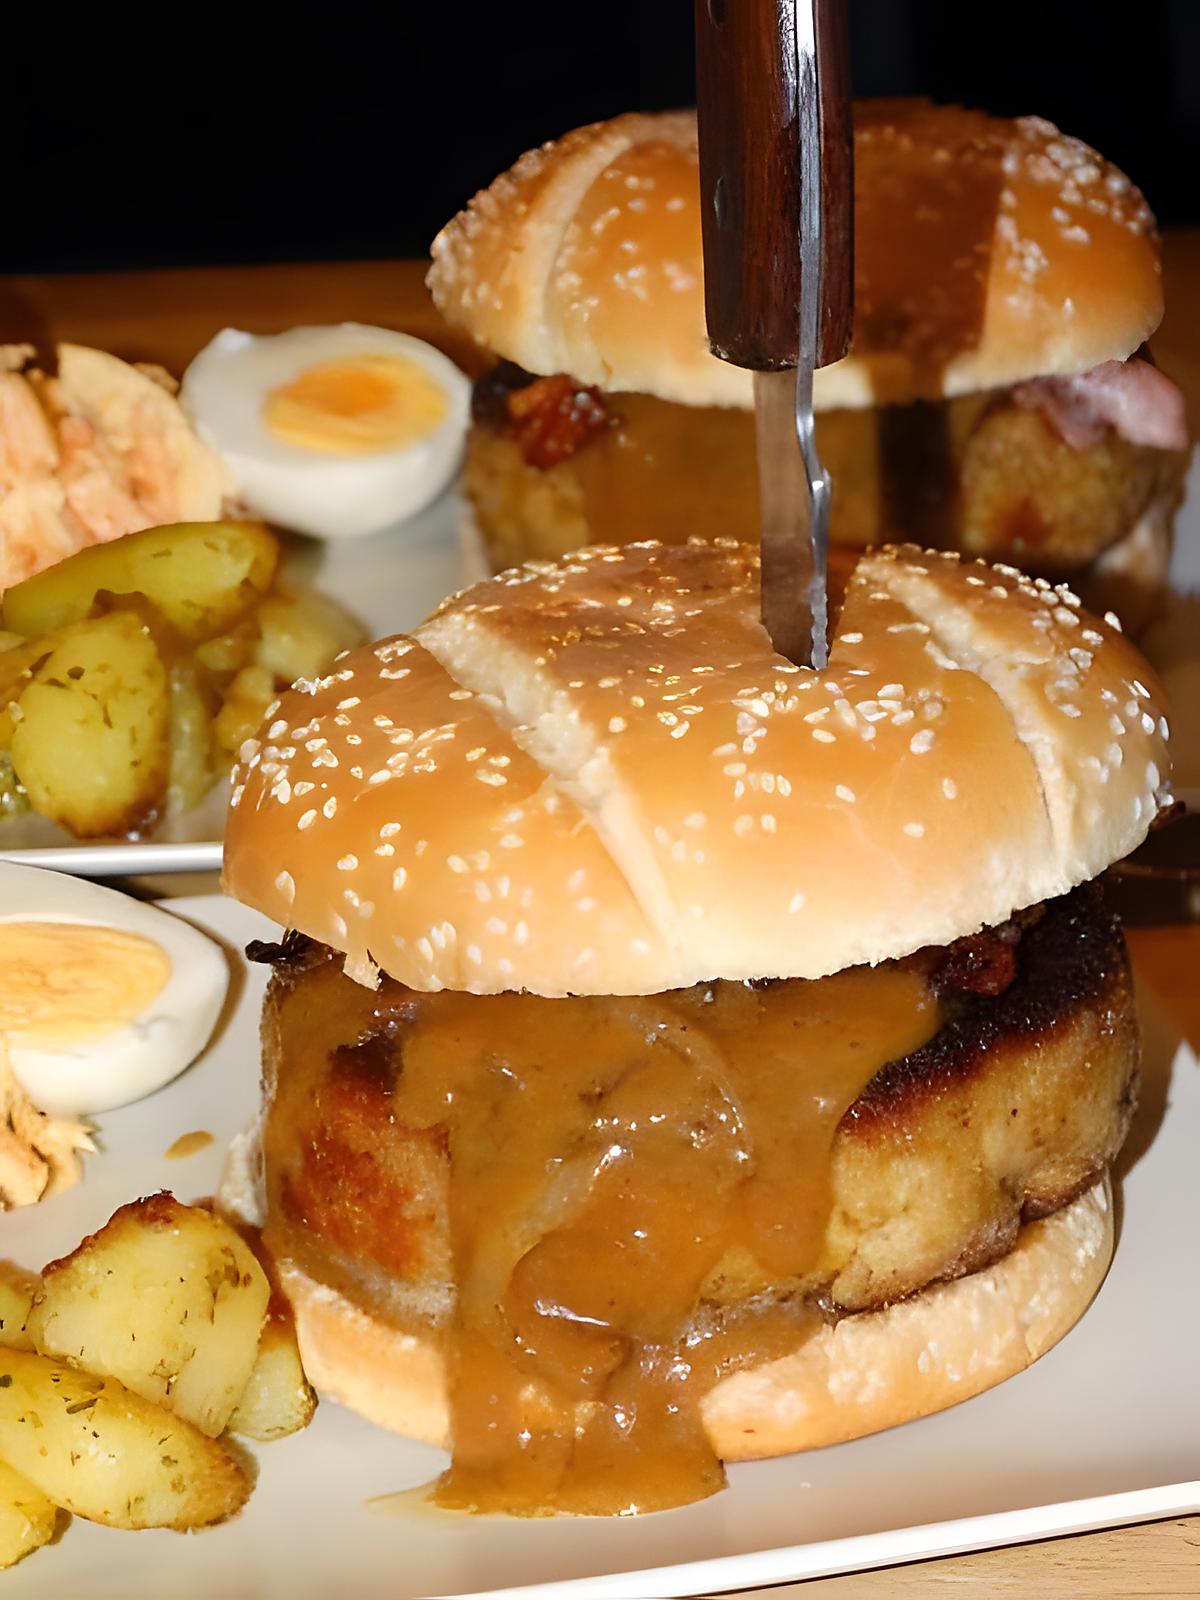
(777, 188)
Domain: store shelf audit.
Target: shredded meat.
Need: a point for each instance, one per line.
(39, 1154)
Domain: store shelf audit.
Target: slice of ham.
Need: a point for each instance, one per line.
(1135, 398)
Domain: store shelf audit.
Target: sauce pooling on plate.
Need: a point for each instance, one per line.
(637, 1190)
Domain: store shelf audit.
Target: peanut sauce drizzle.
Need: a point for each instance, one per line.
(613, 1162)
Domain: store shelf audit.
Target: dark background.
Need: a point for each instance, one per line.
(334, 129)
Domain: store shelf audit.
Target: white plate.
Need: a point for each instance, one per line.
(389, 581)
(1103, 1430)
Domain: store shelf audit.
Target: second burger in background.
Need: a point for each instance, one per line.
(997, 399)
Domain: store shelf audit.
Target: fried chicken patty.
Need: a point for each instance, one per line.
(1013, 1107)
(552, 465)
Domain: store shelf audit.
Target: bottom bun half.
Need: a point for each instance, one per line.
(857, 1376)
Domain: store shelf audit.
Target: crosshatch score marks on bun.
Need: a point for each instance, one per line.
(1024, 253)
(597, 776)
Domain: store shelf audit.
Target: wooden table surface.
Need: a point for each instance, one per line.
(167, 316)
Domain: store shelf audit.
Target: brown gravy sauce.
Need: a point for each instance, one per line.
(612, 1163)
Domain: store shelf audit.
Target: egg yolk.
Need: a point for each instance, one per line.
(66, 983)
(356, 406)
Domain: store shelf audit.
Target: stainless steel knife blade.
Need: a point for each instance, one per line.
(777, 183)
(793, 484)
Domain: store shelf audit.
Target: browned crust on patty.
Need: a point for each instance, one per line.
(1015, 1107)
(1071, 958)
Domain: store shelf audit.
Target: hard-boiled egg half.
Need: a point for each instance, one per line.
(332, 431)
(102, 999)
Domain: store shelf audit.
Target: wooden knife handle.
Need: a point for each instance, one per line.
(750, 180)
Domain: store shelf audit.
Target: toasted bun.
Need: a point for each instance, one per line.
(598, 777)
(988, 251)
(862, 1374)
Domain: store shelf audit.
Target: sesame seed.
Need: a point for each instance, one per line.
(307, 820)
(823, 736)
(845, 793)
(796, 903)
(399, 878)
(348, 863)
(949, 788)
(330, 806)
(385, 849)
(915, 830)
(286, 885)
(921, 743)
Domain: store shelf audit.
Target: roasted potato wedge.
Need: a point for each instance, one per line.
(89, 737)
(168, 1299)
(301, 633)
(278, 1399)
(97, 1449)
(202, 576)
(229, 652)
(27, 1516)
(17, 1289)
(245, 704)
(16, 672)
(192, 772)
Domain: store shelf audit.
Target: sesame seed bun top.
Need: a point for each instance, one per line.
(989, 250)
(598, 777)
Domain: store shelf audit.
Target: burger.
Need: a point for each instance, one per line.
(998, 397)
(675, 1055)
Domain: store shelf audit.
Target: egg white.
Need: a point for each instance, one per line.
(334, 497)
(159, 1042)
